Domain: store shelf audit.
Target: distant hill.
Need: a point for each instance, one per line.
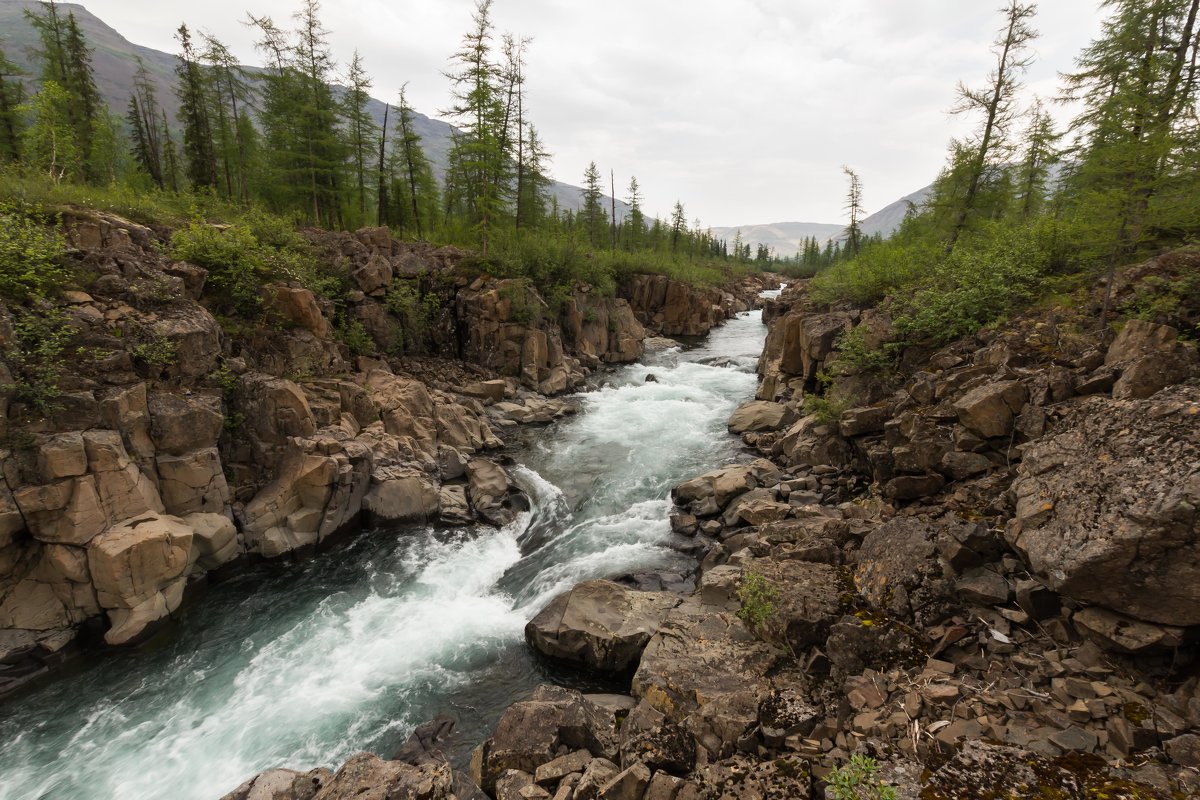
(782, 237)
(115, 62)
(785, 237)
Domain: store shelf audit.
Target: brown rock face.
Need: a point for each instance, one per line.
(1106, 506)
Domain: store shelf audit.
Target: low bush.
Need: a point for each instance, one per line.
(31, 254)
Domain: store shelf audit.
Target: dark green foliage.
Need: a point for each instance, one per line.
(31, 271)
(12, 95)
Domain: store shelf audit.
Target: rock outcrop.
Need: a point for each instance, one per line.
(178, 443)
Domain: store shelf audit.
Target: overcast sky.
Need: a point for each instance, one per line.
(743, 109)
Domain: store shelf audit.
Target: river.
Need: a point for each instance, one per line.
(303, 664)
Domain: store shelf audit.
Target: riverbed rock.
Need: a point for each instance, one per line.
(530, 733)
(697, 655)
(1106, 506)
(600, 624)
(760, 415)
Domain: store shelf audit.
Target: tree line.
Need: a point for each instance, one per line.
(298, 137)
(1120, 179)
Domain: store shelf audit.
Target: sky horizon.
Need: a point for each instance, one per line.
(746, 115)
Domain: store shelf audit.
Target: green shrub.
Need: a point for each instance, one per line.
(857, 780)
(879, 271)
(758, 597)
(242, 257)
(232, 256)
(973, 287)
(31, 254)
(157, 351)
(355, 336)
(36, 356)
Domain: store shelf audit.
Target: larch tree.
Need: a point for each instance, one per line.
(478, 163)
(229, 97)
(1136, 134)
(415, 190)
(142, 120)
(854, 212)
(362, 131)
(534, 181)
(996, 102)
(1038, 154)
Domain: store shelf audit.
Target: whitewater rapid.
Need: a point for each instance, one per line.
(303, 664)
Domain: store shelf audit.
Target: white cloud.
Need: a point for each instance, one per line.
(743, 109)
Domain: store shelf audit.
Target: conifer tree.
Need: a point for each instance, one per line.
(479, 165)
(678, 225)
(996, 102)
(12, 95)
(592, 213)
(1037, 156)
(1137, 85)
(854, 210)
(361, 131)
(191, 89)
(533, 182)
(229, 96)
(416, 191)
(635, 223)
(142, 119)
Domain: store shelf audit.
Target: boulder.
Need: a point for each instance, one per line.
(297, 306)
(138, 558)
(410, 498)
(760, 415)
(899, 570)
(807, 600)
(1106, 507)
(531, 733)
(696, 656)
(600, 624)
(991, 409)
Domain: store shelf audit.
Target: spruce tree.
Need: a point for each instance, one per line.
(198, 153)
(678, 225)
(592, 213)
(12, 95)
(636, 222)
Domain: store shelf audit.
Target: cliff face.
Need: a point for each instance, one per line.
(180, 441)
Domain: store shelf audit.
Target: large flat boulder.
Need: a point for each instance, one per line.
(600, 624)
(698, 655)
(1106, 507)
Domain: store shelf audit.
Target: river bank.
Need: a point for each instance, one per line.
(353, 648)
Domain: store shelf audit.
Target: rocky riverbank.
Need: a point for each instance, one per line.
(977, 568)
(182, 439)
